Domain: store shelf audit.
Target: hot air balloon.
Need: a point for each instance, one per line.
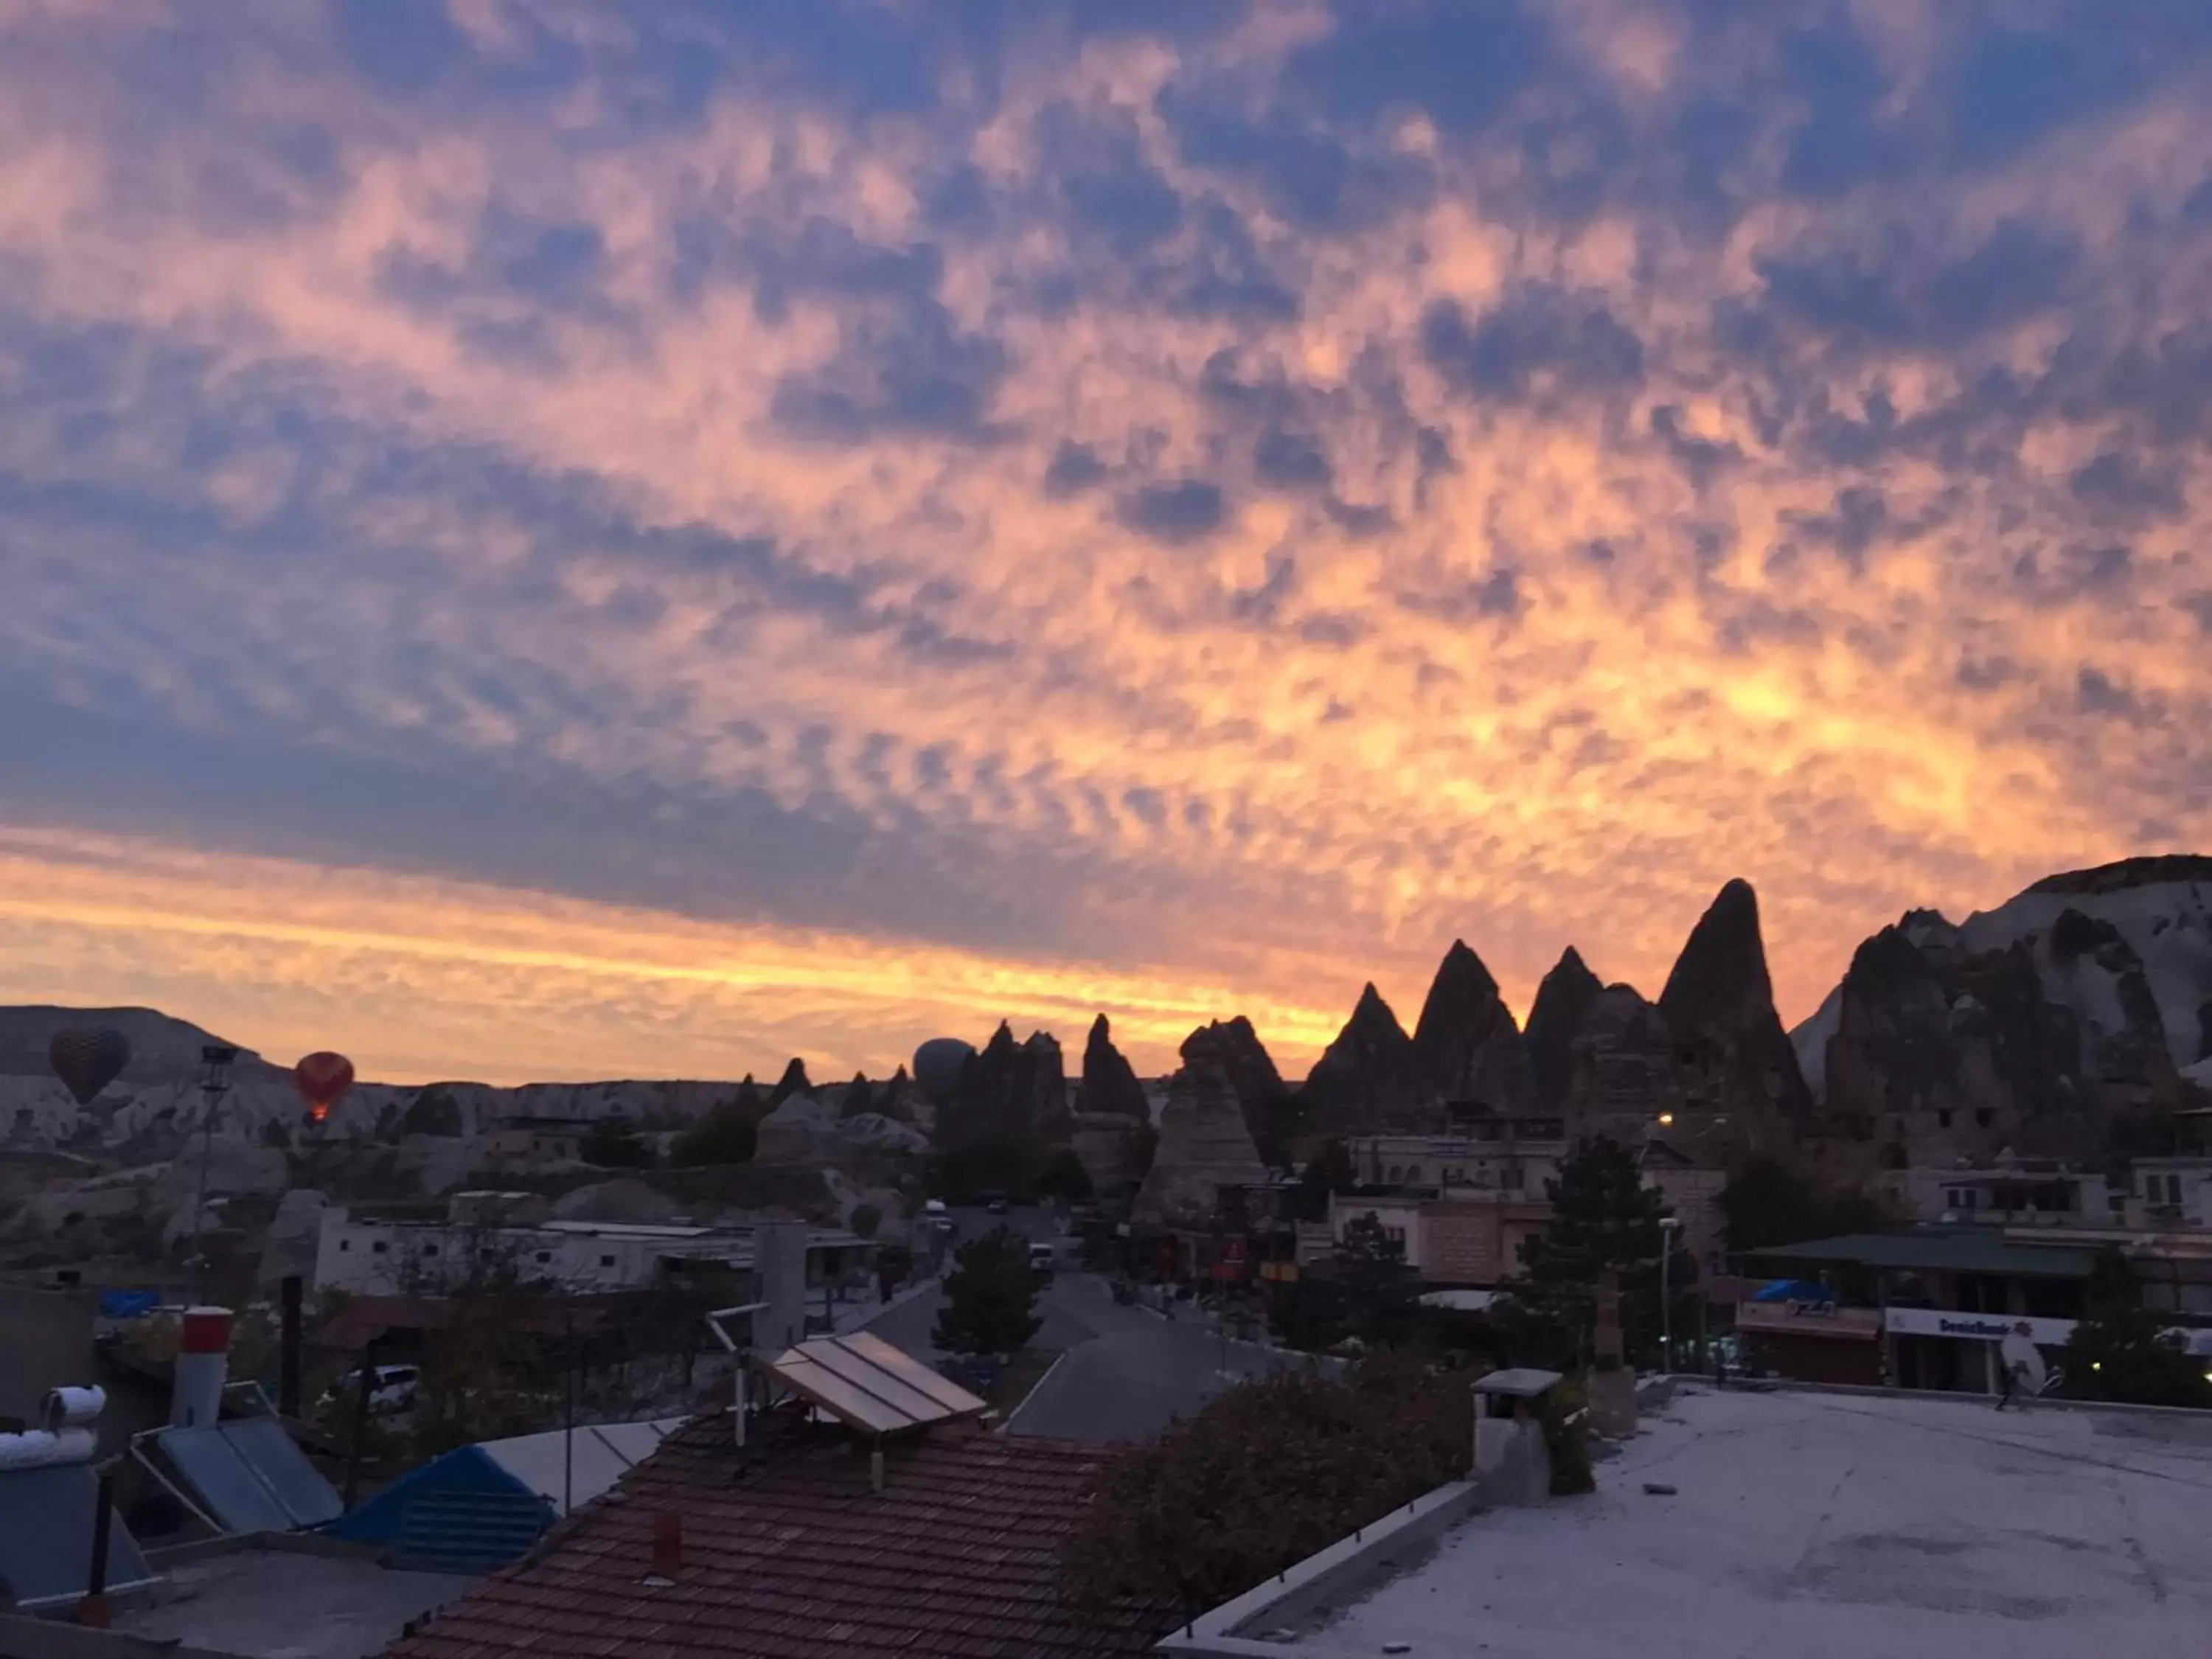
(88, 1058)
(322, 1079)
(937, 1065)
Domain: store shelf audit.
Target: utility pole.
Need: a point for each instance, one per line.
(216, 1060)
(1669, 1226)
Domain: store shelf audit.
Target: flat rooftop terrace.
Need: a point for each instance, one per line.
(284, 1604)
(1814, 1526)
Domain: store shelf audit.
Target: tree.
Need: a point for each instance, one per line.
(725, 1134)
(612, 1144)
(1602, 1216)
(1382, 1294)
(866, 1220)
(990, 1296)
(1064, 1177)
(1767, 1202)
(2120, 1350)
(1330, 1171)
(433, 1111)
(1267, 1474)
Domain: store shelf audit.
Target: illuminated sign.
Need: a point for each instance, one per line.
(1976, 1327)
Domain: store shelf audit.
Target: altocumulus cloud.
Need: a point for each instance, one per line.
(1180, 505)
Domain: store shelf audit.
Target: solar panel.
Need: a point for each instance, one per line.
(869, 1385)
(45, 1537)
(228, 1489)
(267, 1449)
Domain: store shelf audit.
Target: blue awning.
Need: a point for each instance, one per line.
(1794, 1290)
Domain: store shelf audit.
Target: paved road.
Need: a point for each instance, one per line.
(1127, 1373)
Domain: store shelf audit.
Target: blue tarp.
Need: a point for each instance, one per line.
(1794, 1290)
(128, 1304)
(459, 1513)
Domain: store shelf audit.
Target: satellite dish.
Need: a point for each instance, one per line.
(2018, 1354)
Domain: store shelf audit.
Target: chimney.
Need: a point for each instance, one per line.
(203, 1367)
(780, 1275)
(667, 1544)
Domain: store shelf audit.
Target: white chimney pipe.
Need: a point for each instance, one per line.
(202, 1367)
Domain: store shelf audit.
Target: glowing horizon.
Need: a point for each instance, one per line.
(685, 532)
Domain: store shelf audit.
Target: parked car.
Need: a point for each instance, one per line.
(997, 1206)
(1044, 1259)
(390, 1390)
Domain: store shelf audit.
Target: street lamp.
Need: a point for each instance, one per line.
(1669, 1226)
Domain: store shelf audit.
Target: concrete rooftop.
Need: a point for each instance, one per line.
(1824, 1527)
(285, 1604)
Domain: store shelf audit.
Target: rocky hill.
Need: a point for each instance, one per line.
(2083, 1002)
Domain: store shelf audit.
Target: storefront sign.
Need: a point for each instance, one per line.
(1976, 1327)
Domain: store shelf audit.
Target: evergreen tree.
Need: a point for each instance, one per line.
(2120, 1350)
(1767, 1202)
(990, 1296)
(1602, 1216)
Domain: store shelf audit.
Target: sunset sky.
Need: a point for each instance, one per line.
(548, 539)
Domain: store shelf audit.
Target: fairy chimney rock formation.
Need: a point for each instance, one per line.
(1466, 1046)
(1562, 1004)
(1203, 1146)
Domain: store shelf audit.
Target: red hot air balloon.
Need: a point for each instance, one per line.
(322, 1079)
(88, 1058)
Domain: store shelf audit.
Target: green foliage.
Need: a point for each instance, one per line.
(2120, 1353)
(1006, 1162)
(990, 1296)
(1767, 1202)
(1276, 1122)
(1268, 1474)
(1382, 1294)
(866, 1220)
(612, 1144)
(894, 1265)
(433, 1111)
(726, 1133)
(1567, 1440)
(1064, 1176)
(1330, 1171)
(1602, 1216)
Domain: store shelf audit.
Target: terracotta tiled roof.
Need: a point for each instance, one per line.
(789, 1553)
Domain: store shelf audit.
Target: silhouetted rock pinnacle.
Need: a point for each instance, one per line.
(1235, 1047)
(793, 1082)
(1562, 1006)
(1719, 1007)
(1109, 1081)
(1367, 1075)
(857, 1097)
(1466, 1047)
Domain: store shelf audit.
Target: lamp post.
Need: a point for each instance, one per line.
(1669, 1226)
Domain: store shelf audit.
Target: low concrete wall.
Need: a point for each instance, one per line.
(1227, 1631)
(22, 1638)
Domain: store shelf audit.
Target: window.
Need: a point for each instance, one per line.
(1982, 1116)
(378, 1249)
(546, 1256)
(1397, 1172)
(1943, 1120)
(606, 1262)
(430, 1250)
(345, 1244)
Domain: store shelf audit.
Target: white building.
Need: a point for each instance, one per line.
(2170, 1191)
(1508, 1155)
(368, 1256)
(2012, 1192)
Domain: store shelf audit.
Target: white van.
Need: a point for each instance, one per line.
(1044, 1258)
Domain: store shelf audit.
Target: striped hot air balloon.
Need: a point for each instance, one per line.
(88, 1058)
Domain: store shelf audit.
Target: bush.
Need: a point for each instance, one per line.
(1268, 1474)
(726, 1133)
(866, 1220)
(990, 1298)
